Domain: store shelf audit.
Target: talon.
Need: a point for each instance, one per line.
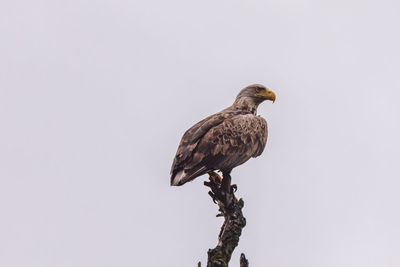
(233, 188)
(212, 195)
(215, 178)
(208, 184)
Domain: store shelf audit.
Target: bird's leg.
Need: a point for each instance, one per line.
(226, 190)
(222, 192)
(215, 185)
(226, 182)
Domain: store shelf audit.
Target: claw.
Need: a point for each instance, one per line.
(234, 188)
(212, 195)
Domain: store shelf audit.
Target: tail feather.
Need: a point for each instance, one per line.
(179, 178)
(182, 177)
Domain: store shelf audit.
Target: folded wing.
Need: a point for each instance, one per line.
(219, 142)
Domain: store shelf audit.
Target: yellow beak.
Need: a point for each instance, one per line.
(268, 95)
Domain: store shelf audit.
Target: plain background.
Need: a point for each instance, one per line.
(95, 95)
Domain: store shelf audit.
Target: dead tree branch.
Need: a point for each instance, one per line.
(243, 261)
(234, 221)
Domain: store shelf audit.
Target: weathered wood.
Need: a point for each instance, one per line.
(243, 261)
(234, 221)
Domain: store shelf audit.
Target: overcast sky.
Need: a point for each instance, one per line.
(95, 96)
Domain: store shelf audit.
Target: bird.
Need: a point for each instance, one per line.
(224, 140)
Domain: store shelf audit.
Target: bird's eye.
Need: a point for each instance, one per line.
(258, 89)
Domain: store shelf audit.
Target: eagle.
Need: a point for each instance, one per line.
(223, 140)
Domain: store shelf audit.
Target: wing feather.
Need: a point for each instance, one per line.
(234, 141)
(219, 142)
(193, 135)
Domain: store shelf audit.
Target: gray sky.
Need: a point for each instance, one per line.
(95, 95)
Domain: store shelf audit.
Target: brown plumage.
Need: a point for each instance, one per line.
(224, 140)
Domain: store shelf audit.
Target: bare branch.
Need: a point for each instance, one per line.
(243, 261)
(234, 221)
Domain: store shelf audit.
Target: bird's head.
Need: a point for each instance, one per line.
(255, 94)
